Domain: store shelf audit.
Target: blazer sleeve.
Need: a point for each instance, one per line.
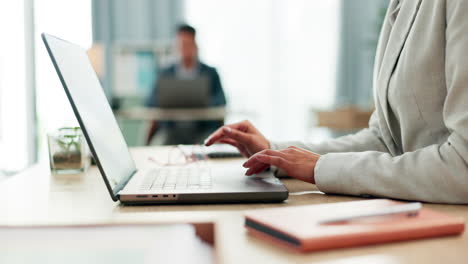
(365, 140)
(436, 173)
(219, 98)
(152, 100)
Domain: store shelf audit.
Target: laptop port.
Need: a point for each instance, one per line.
(165, 195)
(155, 196)
(142, 196)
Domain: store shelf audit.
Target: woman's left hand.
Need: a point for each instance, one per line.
(298, 163)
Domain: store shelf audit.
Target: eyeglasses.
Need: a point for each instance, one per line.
(182, 155)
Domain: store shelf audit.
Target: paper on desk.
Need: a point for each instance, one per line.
(104, 244)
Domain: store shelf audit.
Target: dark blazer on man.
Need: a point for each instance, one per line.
(216, 91)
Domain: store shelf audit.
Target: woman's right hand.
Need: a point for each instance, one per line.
(243, 135)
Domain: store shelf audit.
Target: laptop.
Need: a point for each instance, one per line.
(192, 183)
(178, 93)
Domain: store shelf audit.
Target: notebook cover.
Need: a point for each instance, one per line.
(298, 228)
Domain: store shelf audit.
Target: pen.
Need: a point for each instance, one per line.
(410, 209)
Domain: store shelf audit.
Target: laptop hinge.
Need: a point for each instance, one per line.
(123, 184)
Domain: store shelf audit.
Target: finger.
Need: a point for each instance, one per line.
(231, 142)
(268, 152)
(260, 167)
(238, 135)
(215, 136)
(254, 164)
(274, 161)
(219, 133)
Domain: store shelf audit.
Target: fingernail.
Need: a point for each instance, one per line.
(227, 129)
(206, 141)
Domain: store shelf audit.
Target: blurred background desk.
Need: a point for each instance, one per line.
(173, 114)
(137, 123)
(36, 197)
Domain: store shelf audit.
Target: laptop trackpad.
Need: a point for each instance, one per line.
(233, 178)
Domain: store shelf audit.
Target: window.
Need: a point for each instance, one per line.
(276, 58)
(17, 128)
(70, 20)
(22, 52)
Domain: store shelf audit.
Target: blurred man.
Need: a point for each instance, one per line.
(188, 67)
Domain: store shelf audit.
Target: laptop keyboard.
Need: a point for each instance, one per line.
(180, 178)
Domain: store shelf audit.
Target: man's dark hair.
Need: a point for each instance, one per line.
(185, 28)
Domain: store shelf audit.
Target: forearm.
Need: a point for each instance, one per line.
(437, 173)
(364, 140)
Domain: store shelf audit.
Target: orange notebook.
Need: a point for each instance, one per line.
(299, 228)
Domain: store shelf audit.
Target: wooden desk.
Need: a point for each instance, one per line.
(176, 114)
(35, 197)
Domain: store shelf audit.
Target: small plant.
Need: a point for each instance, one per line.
(68, 151)
(70, 140)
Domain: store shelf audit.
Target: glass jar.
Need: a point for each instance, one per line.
(68, 151)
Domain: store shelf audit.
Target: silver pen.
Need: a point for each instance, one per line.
(410, 209)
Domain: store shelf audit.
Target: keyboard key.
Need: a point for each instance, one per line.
(177, 178)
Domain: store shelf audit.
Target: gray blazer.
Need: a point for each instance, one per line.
(416, 146)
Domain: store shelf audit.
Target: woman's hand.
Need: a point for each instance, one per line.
(243, 135)
(298, 163)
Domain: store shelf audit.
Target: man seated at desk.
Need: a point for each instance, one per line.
(188, 67)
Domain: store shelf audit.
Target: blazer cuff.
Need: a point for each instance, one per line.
(328, 176)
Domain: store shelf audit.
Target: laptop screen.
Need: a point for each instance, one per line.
(179, 93)
(93, 112)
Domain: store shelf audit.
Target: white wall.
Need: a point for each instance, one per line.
(276, 58)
